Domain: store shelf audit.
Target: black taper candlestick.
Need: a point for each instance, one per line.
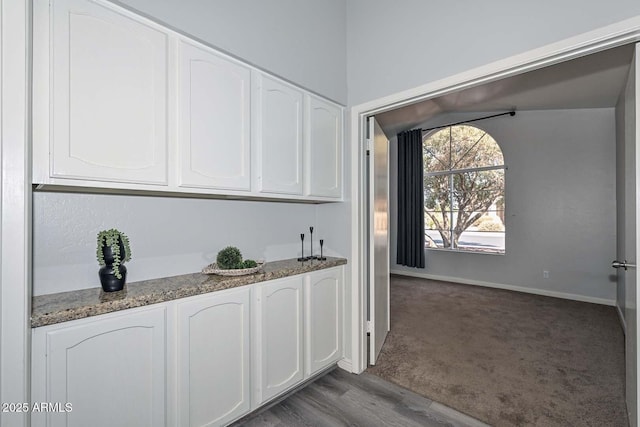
(322, 258)
(311, 256)
(302, 258)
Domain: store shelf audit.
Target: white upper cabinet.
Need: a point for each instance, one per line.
(277, 135)
(215, 125)
(122, 102)
(323, 148)
(108, 95)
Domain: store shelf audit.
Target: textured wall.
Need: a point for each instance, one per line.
(560, 205)
(424, 41)
(303, 41)
(168, 236)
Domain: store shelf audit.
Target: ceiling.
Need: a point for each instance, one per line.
(593, 81)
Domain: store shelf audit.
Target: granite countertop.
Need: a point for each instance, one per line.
(65, 306)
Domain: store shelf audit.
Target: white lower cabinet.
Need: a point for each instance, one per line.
(205, 360)
(323, 334)
(107, 371)
(278, 337)
(213, 358)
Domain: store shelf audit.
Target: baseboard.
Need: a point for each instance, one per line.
(346, 365)
(544, 292)
(623, 322)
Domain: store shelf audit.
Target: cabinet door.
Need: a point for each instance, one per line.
(323, 319)
(108, 95)
(278, 341)
(111, 370)
(278, 136)
(323, 148)
(215, 107)
(213, 358)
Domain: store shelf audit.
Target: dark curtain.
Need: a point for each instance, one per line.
(410, 200)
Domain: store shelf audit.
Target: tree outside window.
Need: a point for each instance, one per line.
(463, 190)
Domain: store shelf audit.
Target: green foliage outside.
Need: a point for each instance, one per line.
(447, 154)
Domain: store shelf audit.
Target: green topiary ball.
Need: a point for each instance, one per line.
(249, 263)
(229, 258)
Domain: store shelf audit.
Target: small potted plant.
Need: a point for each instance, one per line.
(229, 262)
(112, 251)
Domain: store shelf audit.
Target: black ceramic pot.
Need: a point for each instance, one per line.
(108, 279)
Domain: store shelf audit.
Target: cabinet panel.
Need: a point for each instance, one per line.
(278, 136)
(108, 96)
(215, 107)
(111, 370)
(323, 148)
(213, 346)
(323, 319)
(279, 335)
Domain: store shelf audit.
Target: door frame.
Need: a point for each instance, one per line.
(15, 204)
(618, 34)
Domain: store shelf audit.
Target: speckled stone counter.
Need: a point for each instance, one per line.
(65, 306)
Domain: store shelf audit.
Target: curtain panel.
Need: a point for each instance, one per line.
(410, 236)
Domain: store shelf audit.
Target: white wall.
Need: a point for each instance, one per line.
(397, 45)
(303, 41)
(560, 206)
(169, 236)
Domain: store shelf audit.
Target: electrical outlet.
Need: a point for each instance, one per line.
(545, 274)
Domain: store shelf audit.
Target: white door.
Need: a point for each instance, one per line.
(378, 239)
(628, 236)
(215, 109)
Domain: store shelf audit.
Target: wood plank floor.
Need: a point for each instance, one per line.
(343, 399)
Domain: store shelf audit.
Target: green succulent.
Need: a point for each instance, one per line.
(112, 238)
(229, 258)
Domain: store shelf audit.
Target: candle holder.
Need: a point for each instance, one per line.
(311, 256)
(302, 258)
(321, 258)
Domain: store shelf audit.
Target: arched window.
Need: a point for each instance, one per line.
(463, 190)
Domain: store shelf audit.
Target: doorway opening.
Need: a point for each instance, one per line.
(459, 99)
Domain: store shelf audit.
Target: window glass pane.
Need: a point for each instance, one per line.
(436, 151)
(478, 190)
(486, 234)
(478, 199)
(437, 239)
(473, 148)
(436, 193)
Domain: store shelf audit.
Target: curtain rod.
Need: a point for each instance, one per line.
(511, 113)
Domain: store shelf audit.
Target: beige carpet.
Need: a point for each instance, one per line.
(506, 358)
